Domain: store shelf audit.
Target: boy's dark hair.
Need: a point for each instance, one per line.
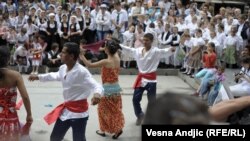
(24, 30)
(54, 46)
(43, 37)
(83, 41)
(245, 60)
(152, 25)
(117, 3)
(222, 68)
(29, 20)
(4, 57)
(72, 48)
(149, 36)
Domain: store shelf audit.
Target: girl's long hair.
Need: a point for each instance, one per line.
(4, 57)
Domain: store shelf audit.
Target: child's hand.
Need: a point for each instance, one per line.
(172, 49)
(96, 99)
(33, 77)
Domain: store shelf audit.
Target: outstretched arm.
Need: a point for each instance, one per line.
(165, 52)
(128, 50)
(90, 64)
(53, 76)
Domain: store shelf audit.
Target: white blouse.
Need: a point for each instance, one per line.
(236, 41)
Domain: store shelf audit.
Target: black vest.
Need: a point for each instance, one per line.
(74, 27)
(52, 31)
(166, 38)
(64, 29)
(174, 39)
(81, 23)
(88, 22)
(53, 56)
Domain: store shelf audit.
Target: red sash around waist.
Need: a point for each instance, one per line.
(149, 76)
(78, 106)
(37, 56)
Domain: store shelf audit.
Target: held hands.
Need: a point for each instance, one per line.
(172, 49)
(96, 99)
(33, 77)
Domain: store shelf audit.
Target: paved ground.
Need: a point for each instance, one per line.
(45, 96)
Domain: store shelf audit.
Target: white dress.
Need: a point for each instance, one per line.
(128, 40)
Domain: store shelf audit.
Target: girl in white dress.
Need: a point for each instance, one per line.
(139, 36)
(128, 40)
(37, 55)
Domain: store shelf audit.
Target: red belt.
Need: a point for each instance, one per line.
(149, 76)
(73, 106)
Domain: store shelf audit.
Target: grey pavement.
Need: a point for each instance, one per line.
(46, 96)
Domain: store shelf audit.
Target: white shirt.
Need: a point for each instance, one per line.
(149, 62)
(188, 19)
(134, 9)
(165, 5)
(31, 28)
(123, 17)
(192, 28)
(188, 43)
(13, 21)
(205, 33)
(221, 37)
(21, 39)
(215, 41)
(130, 1)
(77, 84)
(128, 38)
(198, 41)
(181, 27)
(236, 41)
(20, 51)
(103, 21)
(20, 22)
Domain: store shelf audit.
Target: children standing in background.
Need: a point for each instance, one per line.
(139, 33)
(37, 55)
(128, 40)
